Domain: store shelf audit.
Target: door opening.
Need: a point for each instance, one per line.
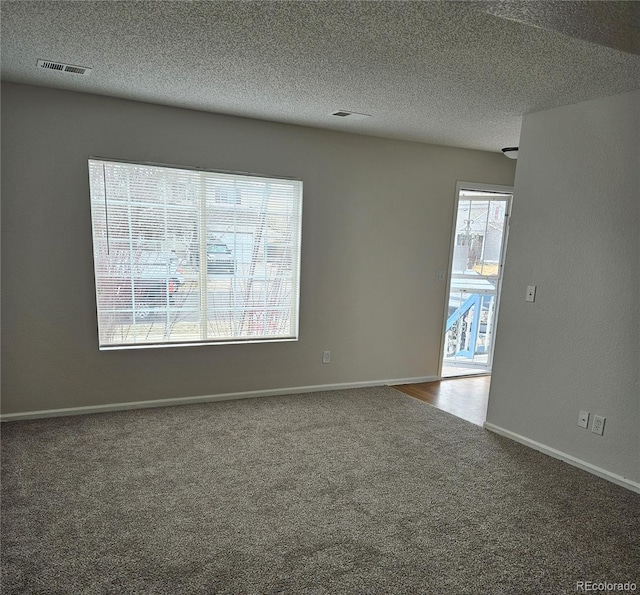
(478, 247)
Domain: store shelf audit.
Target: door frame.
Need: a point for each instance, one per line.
(481, 187)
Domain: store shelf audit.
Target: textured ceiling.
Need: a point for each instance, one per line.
(452, 73)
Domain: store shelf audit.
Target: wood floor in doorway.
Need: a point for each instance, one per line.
(465, 397)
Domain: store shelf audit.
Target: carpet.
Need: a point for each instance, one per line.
(354, 491)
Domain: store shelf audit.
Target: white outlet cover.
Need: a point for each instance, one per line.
(598, 425)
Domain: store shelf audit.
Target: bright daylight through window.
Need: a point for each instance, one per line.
(187, 256)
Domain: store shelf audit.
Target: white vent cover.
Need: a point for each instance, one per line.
(350, 115)
(64, 67)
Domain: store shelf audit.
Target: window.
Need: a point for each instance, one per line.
(180, 260)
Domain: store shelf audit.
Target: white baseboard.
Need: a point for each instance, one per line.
(557, 454)
(207, 398)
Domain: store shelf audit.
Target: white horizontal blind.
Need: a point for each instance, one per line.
(189, 256)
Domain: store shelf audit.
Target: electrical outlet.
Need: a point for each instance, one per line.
(441, 275)
(531, 293)
(598, 424)
(583, 419)
(326, 357)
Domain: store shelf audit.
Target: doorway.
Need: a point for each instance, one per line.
(478, 248)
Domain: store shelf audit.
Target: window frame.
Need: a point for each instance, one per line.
(293, 304)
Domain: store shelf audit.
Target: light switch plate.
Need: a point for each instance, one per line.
(583, 419)
(531, 293)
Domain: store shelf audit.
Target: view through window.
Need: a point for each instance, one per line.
(187, 256)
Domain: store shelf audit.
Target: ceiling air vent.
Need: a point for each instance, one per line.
(350, 115)
(64, 67)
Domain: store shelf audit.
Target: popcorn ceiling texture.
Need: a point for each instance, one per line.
(450, 73)
(614, 24)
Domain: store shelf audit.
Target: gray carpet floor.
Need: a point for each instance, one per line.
(355, 491)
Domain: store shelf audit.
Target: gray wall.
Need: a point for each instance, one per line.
(376, 227)
(575, 234)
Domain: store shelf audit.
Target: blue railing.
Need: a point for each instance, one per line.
(464, 327)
